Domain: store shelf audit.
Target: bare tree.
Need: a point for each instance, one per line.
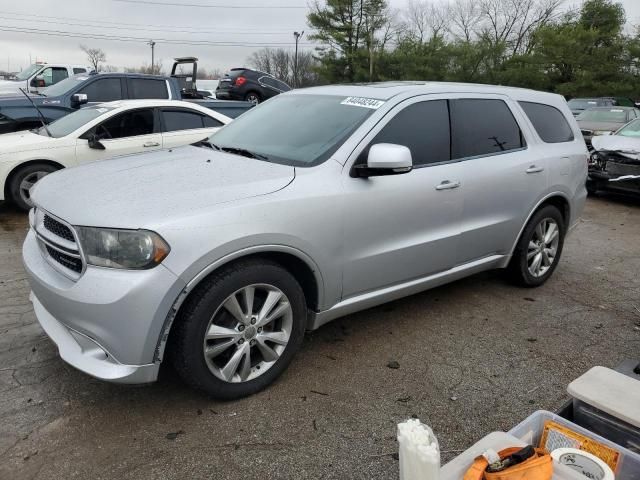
(424, 20)
(279, 62)
(94, 56)
(512, 22)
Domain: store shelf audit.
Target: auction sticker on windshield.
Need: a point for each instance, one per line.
(363, 102)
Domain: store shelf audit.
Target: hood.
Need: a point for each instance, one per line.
(22, 142)
(608, 126)
(626, 146)
(140, 191)
(12, 86)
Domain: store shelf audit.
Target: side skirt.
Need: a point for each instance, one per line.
(394, 292)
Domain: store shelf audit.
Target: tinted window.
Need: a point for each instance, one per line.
(211, 122)
(482, 127)
(181, 120)
(53, 75)
(127, 124)
(548, 122)
(423, 128)
(103, 90)
(79, 70)
(72, 122)
(147, 88)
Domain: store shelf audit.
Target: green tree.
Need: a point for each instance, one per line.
(347, 28)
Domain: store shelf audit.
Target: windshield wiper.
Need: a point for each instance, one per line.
(42, 119)
(206, 143)
(244, 152)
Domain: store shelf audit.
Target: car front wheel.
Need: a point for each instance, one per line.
(239, 330)
(22, 181)
(538, 251)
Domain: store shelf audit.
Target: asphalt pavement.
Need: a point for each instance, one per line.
(472, 357)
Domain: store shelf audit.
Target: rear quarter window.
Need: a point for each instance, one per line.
(549, 122)
(146, 88)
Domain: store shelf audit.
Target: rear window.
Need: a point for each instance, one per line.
(482, 127)
(147, 88)
(612, 115)
(549, 122)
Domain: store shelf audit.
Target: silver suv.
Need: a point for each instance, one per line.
(316, 204)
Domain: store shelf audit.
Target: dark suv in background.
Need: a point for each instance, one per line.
(249, 85)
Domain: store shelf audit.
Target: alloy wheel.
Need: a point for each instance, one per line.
(543, 247)
(27, 182)
(248, 333)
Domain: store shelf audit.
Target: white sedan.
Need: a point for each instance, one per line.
(96, 133)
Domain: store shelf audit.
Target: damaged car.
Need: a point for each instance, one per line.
(615, 162)
(604, 121)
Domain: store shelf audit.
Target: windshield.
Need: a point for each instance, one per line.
(70, 123)
(27, 72)
(297, 130)
(613, 115)
(64, 86)
(584, 103)
(630, 130)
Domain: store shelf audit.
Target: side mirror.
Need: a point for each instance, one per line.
(38, 82)
(95, 143)
(385, 159)
(78, 99)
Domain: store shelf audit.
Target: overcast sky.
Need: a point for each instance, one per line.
(179, 29)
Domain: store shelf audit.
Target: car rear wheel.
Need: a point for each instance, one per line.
(538, 251)
(252, 97)
(239, 330)
(22, 181)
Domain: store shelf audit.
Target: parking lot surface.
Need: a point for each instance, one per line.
(472, 357)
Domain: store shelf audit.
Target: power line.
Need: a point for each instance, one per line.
(202, 5)
(139, 26)
(97, 36)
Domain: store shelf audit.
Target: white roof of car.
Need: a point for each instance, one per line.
(151, 103)
(388, 90)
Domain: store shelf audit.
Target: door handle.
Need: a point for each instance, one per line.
(448, 185)
(151, 144)
(534, 169)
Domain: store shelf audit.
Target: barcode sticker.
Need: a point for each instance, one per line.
(363, 102)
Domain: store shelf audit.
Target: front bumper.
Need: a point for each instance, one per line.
(108, 322)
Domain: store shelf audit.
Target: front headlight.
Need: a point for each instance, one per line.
(602, 132)
(130, 249)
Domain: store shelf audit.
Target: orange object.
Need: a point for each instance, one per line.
(555, 436)
(538, 467)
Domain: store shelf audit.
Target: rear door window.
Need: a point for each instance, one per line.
(481, 127)
(147, 88)
(180, 119)
(549, 122)
(127, 124)
(423, 127)
(103, 90)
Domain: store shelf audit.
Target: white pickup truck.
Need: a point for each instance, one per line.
(38, 76)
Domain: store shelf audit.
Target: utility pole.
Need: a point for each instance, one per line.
(297, 36)
(152, 44)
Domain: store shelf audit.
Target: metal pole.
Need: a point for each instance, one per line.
(153, 44)
(297, 36)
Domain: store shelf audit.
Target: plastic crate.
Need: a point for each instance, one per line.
(530, 431)
(606, 425)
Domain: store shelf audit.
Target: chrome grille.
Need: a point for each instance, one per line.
(58, 244)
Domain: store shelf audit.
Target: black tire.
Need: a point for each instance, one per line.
(253, 97)
(14, 186)
(592, 187)
(187, 337)
(518, 268)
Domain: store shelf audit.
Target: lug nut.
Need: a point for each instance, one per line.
(241, 328)
(241, 341)
(259, 329)
(253, 320)
(252, 343)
